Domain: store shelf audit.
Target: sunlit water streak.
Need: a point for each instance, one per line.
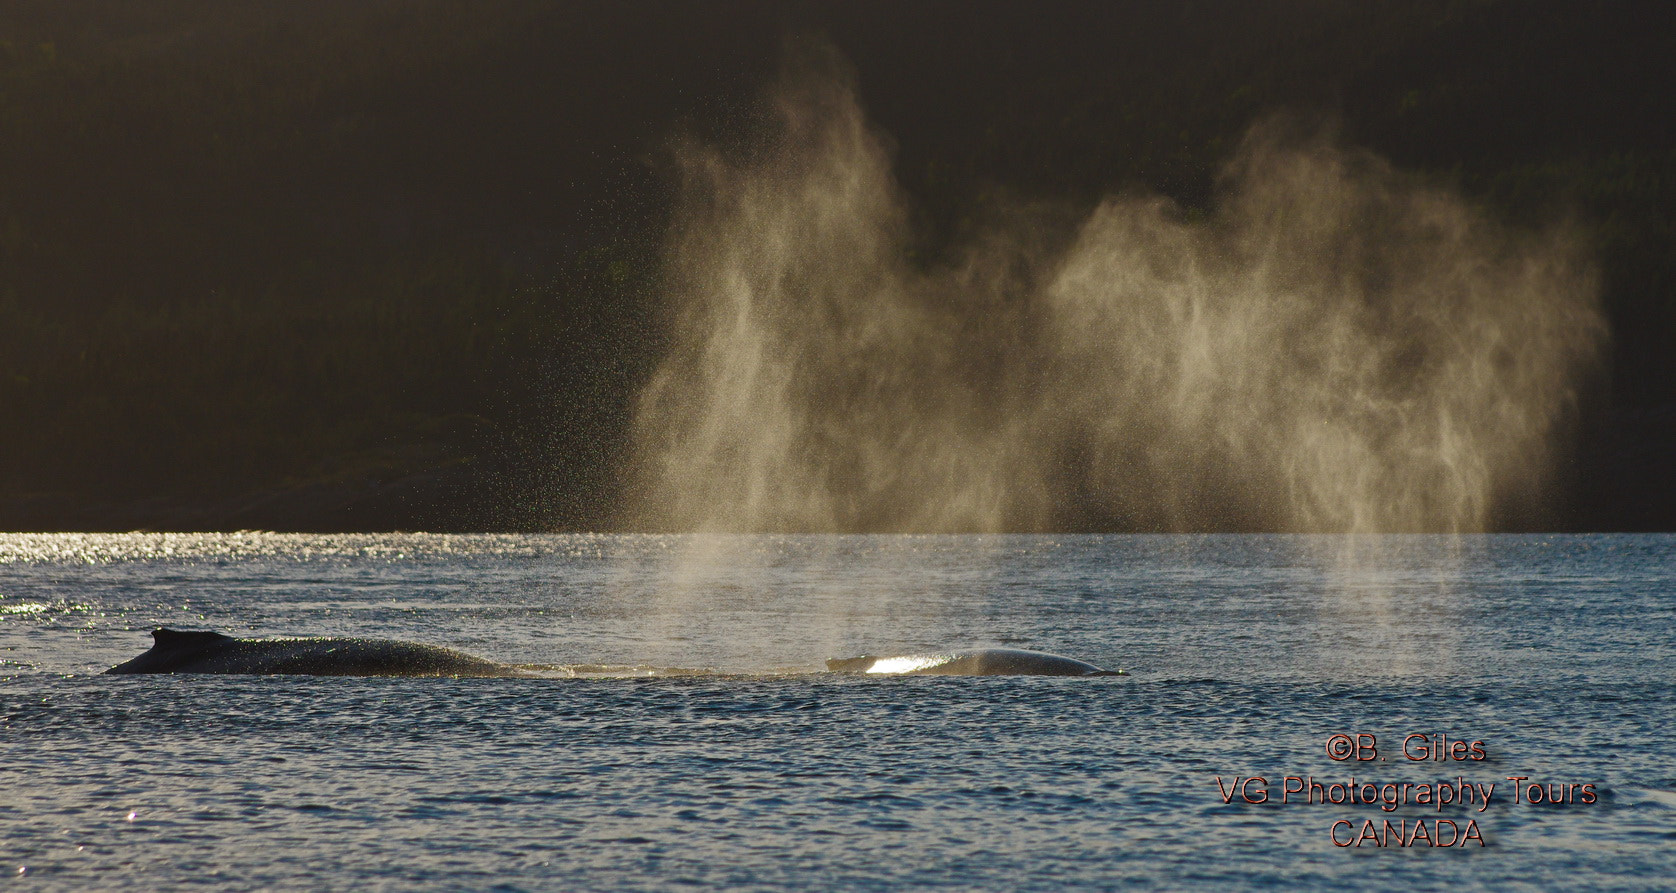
(1248, 651)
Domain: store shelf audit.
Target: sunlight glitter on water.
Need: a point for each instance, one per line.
(108, 548)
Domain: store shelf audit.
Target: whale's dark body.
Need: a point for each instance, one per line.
(186, 651)
(971, 662)
(191, 651)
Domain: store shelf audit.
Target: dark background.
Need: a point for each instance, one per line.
(376, 264)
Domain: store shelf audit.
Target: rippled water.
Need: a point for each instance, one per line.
(1248, 654)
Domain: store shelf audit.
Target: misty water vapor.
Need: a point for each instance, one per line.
(1337, 346)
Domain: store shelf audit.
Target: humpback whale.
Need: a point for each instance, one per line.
(200, 651)
(970, 662)
(190, 651)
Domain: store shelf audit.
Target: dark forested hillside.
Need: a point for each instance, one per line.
(325, 264)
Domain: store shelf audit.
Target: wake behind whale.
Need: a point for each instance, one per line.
(202, 651)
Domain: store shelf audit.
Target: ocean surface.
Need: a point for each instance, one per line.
(683, 736)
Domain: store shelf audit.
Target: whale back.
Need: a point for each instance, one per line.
(970, 662)
(196, 651)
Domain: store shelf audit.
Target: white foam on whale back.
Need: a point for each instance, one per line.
(908, 663)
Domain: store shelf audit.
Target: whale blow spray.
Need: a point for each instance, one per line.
(1337, 346)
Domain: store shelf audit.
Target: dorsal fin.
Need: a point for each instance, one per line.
(185, 638)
